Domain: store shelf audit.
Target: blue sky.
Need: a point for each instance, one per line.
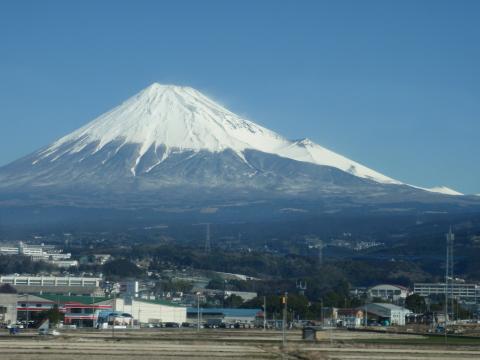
(392, 84)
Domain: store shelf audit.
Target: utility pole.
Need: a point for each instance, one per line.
(114, 308)
(198, 311)
(28, 312)
(223, 295)
(366, 313)
(264, 313)
(139, 317)
(321, 311)
(284, 301)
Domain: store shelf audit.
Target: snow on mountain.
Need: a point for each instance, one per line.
(182, 118)
(308, 151)
(173, 119)
(443, 190)
(439, 189)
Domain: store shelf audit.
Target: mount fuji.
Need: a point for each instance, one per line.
(172, 144)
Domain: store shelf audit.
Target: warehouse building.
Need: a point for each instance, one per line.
(152, 311)
(387, 314)
(224, 315)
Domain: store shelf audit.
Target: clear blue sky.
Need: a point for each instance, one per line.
(392, 84)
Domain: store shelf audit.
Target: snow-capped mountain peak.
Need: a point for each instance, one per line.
(165, 114)
(177, 118)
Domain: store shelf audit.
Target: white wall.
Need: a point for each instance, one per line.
(398, 317)
(9, 303)
(148, 312)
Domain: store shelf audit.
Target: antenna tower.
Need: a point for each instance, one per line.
(301, 286)
(208, 245)
(320, 252)
(449, 273)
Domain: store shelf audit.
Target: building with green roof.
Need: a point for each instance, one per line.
(83, 311)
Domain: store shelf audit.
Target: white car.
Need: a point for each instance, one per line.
(48, 332)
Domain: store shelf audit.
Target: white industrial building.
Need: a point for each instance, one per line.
(393, 314)
(70, 285)
(151, 311)
(245, 295)
(394, 293)
(65, 264)
(462, 291)
(36, 252)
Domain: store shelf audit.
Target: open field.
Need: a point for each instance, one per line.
(230, 344)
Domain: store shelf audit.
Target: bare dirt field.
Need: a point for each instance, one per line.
(230, 344)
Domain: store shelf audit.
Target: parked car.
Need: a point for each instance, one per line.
(226, 326)
(210, 326)
(171, 325)
(440, 329)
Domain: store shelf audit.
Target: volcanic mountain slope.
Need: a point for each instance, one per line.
(170, 137)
